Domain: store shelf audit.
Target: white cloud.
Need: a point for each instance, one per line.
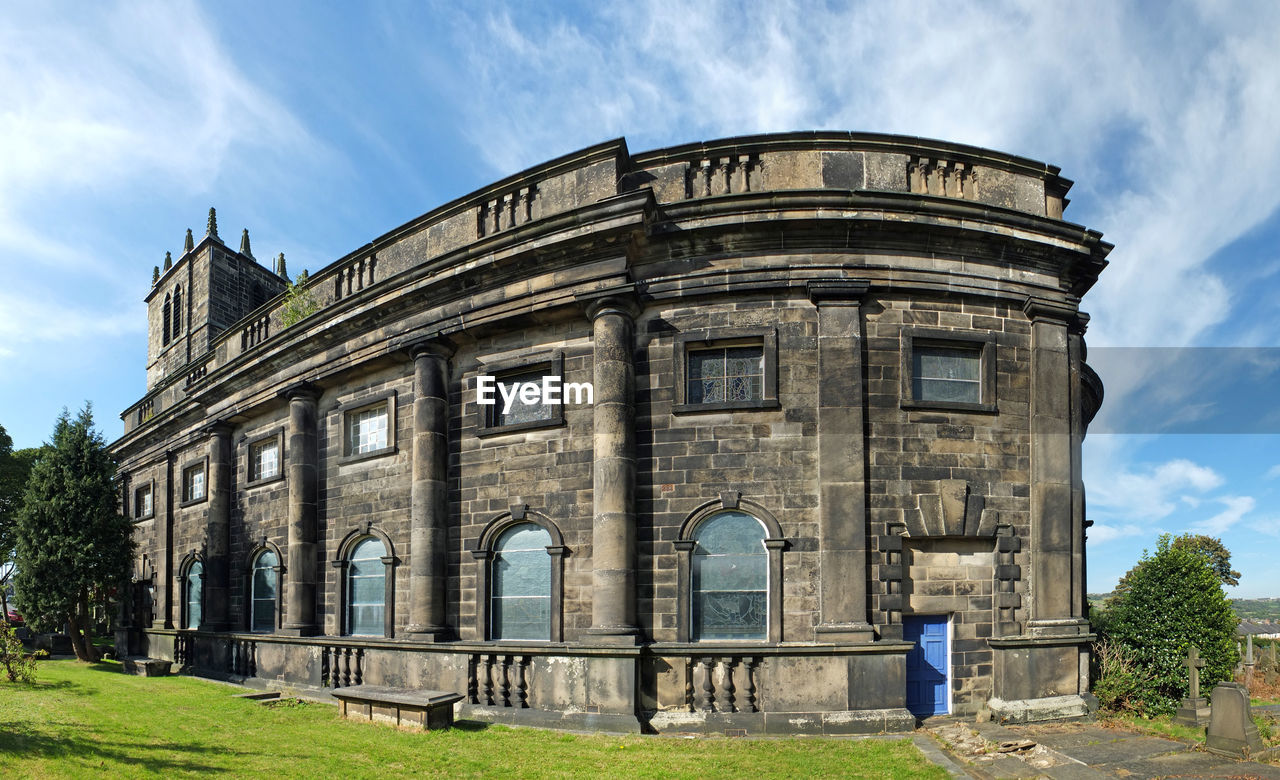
(1102, 533)
(1117, 490)
(1154, 139)
(1237, 507)
(1272, 472)
(129, 99)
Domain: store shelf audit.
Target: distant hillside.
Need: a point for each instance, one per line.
(1247, 609)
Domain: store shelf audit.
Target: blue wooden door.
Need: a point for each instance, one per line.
(927, 664)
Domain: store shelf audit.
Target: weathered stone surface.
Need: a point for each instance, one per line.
(831, 253)
(1232, 731)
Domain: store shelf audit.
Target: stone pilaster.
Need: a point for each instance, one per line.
(842, 485)
(1056, 521)
(302, 461)
(217, 567)
(163, 617)
(429, 497)
(613, 530)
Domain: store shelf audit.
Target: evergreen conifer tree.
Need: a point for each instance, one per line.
(73, 545)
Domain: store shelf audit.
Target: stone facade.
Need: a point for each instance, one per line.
(839, 262)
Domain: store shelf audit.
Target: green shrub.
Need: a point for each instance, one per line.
(1122, 686)
(299, 302)
(1170, 601)
(19, 665)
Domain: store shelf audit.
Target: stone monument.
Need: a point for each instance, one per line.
(1195, 709)
(1231, 728)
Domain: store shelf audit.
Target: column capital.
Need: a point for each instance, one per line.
(218, 428)
(622, 300)
(1041, 309)
(305, 390)
(838, 292)
(437, 345)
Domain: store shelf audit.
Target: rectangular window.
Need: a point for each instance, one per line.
(947, 373)
(725, 374)
(264, 460)
(193, 483)
(944, 369)
(732, 368)
(367, 430)
(522, 381)
(142, 506)
(521, 411)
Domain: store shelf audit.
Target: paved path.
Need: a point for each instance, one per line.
(1086, 750)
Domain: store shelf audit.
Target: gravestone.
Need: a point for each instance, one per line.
(1195, 708)
(1249, 663)
(1231, 728)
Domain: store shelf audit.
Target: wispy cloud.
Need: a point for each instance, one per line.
(1102, 533)
(134, 97)
(1152, 138)
(1122, 493)
(1273, 472)
(1236, 508)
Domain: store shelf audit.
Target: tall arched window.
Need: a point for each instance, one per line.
(367, 588)
(263, 592)
(193, 595)
(520, 600)
(730, 578)
(177, 311)
(165, 314)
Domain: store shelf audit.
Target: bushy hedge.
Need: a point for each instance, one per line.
(1168, 602)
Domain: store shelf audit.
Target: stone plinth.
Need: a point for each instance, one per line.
(424, 709)
(1193, 712)
(145, 667)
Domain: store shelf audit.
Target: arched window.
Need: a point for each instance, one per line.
(729, 573)
(367, 588)
(263, 590)
(165, 314)
(730, 578)
(177, 311)
(193, 595)
(521, 584)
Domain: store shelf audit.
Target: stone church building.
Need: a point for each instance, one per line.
(816, 468)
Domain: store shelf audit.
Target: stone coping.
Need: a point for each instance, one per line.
(402, 696)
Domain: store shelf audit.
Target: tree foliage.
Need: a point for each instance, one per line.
(1171, 600)
(1215, 552)
(15, 466)
(73, 545)
(299, 302)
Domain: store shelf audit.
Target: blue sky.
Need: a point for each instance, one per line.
(319, 126)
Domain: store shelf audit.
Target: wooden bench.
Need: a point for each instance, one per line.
(404, 707)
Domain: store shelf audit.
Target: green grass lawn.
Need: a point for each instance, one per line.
(86, 720)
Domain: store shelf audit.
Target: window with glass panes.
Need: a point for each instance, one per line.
(193, 481)
(951, 373)
(520, 600)
(264, 460)
(367, 431)
(366, 588)
(142, 502)
(730, 579)
(519, 412)
(195, 594)
(263, 592)
(722, 374)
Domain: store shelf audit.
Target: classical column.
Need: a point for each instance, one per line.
(613, 529)
(429, 497)
(218, 530)
(842, 478)
(1054, 605)
(302, 459)
(164, 599)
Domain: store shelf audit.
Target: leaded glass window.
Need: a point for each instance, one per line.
(195, 594)
(730, 578)
(142, 502)
(520, 606)
(368, 432)
(264, 460)
(263, 592)
(950, 373)
(725, 374)
(366, 588)
(520, 412)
